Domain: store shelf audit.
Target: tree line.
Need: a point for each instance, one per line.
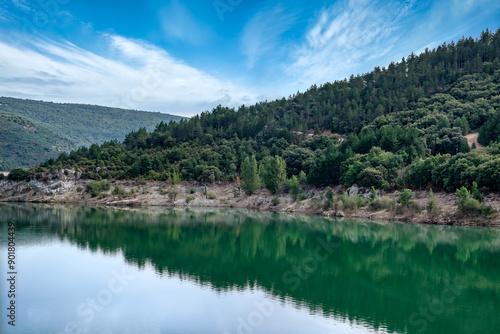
(400, 126)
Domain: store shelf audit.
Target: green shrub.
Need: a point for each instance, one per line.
(211, 195)
(174, 178)
(411, 207)
(79, 189)
(352, 203)
(172, 194)
(475, 192)
(373, 194)
(94, 188)
(468, 205)
(432, 207)
(295, 189)
(192, 190)
(329, 198)
(38, 176)
(287, 186)
(384, 203)
(405, 197)
(2, 176)
(275, 201)
(119, 191)
(376, 205)
(189, 199)
(385, 185)
(370, 177)
(302, 177)
(18, 174)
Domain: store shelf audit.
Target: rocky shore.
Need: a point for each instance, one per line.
(68, 187)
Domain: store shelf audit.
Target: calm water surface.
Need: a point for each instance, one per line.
(161, 270)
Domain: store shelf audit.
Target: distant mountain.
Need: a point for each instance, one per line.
(25, 144)
(84, 124)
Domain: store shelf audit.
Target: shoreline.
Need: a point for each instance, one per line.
(63, 190)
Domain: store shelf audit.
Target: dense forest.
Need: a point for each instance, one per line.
(26, 144)
(83, 124)
(397, 126)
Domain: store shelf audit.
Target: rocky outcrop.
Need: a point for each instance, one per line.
(52, 183)
(52, 187)
(30, 191)
(6, 188)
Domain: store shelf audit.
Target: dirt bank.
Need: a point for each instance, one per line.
(472, 139)
(192, 194)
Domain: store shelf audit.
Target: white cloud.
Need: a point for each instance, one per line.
(345, 35)
(138, 75)
(263, 31)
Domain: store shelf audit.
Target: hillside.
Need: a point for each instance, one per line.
(394, 127)
(83, 124)
(26, 144)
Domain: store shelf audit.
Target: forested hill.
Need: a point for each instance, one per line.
(397, 126)
(83, 124)
(26, 144)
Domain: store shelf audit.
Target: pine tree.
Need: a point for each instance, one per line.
(250, 180)
(274, 173)
(295, 189)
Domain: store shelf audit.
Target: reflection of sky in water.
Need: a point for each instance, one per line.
(206, 271)
(56, 280)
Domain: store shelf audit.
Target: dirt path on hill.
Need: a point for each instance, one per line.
(472, 138)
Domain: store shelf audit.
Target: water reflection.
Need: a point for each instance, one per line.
(391, 277)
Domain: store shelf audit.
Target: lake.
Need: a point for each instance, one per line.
(169, 270)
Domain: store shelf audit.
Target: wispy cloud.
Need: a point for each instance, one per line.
(22, 4)
(346, 34)
(178, 23)
(263, 31)
(135, 75)
(4, 15)
(464, 7)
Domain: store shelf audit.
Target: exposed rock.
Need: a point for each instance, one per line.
(52, 187)
(5, 185)
(70, 173)
(353, 190)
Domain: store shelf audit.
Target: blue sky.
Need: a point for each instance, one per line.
(185, 57)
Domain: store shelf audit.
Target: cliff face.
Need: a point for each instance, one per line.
(68, 187)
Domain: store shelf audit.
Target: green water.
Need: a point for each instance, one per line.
(161, 270)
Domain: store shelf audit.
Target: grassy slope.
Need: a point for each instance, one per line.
(83, 124)
(25, 144)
